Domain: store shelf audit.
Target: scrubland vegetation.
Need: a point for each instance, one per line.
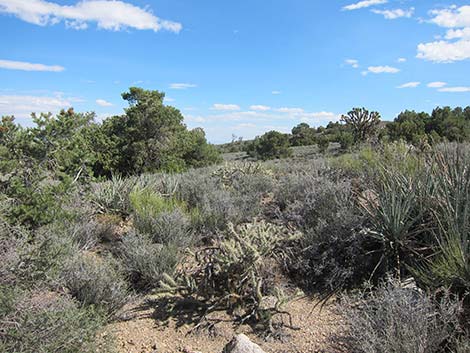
(93, 215)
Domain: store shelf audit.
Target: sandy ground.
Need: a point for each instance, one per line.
(145, 328)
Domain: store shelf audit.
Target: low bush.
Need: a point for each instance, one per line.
(401, 320)
(45, 322)
(95, 281)
(145, 262)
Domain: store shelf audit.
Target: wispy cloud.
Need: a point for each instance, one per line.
(103, 103)
(182, 85)
(352, 62)
(109, 15)
(454, 89)
(364, 4)
(396, 13)
(21, 106)
(381, 70)
(226, 107)
(261, 108)
(436, 84)
(410, 85)
(276, 92)
(401, 60)
(26, 66)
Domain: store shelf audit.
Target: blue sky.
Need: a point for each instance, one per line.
(236, 67)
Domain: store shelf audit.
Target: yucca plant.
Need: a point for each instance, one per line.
(397, 214)
(450, 266)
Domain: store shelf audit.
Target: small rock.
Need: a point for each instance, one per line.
(242, 344)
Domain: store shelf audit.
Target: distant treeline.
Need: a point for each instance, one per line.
(443, 124)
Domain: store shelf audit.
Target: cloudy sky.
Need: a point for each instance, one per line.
(235, 67)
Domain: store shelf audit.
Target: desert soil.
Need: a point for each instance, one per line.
(144, 327)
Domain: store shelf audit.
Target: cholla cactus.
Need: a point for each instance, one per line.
(228, 274)
(230, 171)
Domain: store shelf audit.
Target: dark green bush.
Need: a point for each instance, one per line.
(271, 145)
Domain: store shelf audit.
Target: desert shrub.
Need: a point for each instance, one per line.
(400, 320)
(333, 249)
(95, 281)
(112, 196)
(213, 206)
(145, 262)
(160, 217)
(45, 322)
(42, 260)
(323, 142)
(231, 274)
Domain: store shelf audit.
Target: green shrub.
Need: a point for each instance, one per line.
(145, 262)
(45, 322)
(400, 320)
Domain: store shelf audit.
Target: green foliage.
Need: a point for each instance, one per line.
(271, 145)
(303, 135)
(323, 143)
(230, 274)
(151, 137)
(450, 266)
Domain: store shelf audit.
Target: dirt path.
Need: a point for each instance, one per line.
(145, 329)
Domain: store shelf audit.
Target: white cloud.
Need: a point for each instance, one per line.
(437, 84)
(381, 69)
(457, 19)
(364, 4)
(444, 52)
(103, 103)
(410, 85)
(276, 92)
(169, 99)
(458, 33)
(290, 110)
(394, 14)
(227, 107)
(401, 60)
(454, 89)
(182, 85)
(352, 62)
(109, 15)
(452, 17)
(22, 106)
(261, 108)
(25, 66)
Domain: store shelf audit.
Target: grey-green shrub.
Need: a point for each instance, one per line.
(394, 319)
(145, 262)
(95, 281)
(46, 322)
